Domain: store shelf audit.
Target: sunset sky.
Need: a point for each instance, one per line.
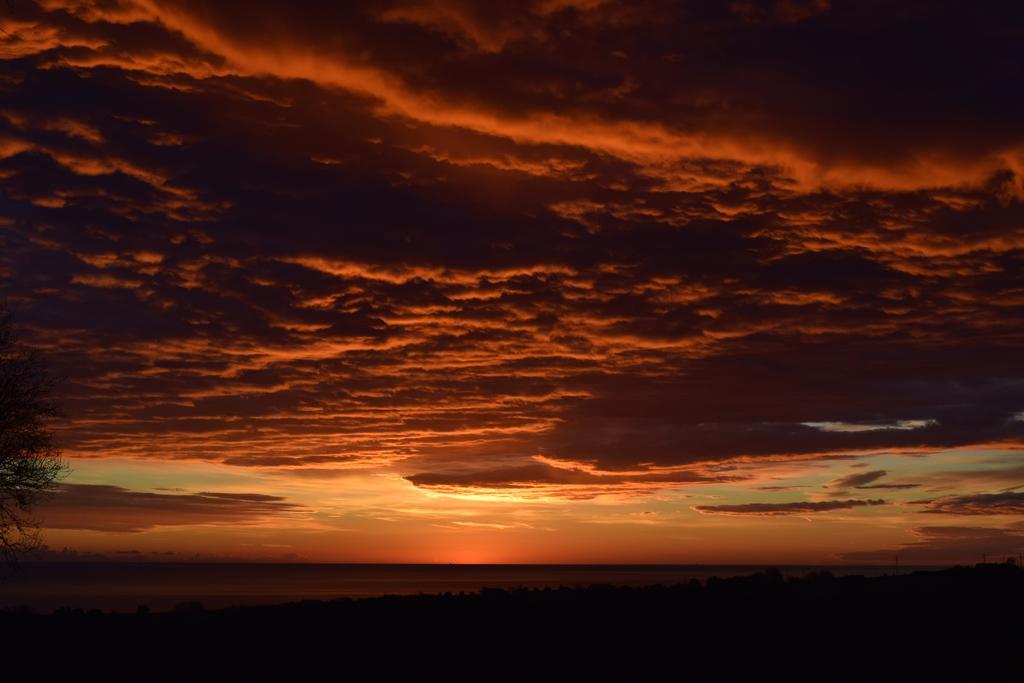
(537, 281)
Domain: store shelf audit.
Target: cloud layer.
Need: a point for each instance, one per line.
(1007, 503)
(565, 248)
(772, 509)
(97, 507)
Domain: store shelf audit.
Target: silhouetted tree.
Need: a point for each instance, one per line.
(30, 462)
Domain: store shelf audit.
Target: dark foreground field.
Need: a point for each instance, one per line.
(956, 624)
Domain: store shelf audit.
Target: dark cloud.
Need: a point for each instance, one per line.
(99, 507)
(1006, 503)
(863, 481)
(680, 419)
(857, 480)
(890, 487)
(775, 509)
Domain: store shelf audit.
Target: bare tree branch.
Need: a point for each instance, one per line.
(30, 462)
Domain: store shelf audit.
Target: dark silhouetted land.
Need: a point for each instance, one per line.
(961, 623)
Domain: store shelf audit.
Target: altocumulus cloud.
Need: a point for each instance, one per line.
(442, 238)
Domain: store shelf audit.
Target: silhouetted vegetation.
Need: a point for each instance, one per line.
(30, 462)
(952, 624)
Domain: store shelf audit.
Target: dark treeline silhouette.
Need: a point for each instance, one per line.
(960, 623)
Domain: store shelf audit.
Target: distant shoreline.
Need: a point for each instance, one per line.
(29, 561)
(160, 586)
